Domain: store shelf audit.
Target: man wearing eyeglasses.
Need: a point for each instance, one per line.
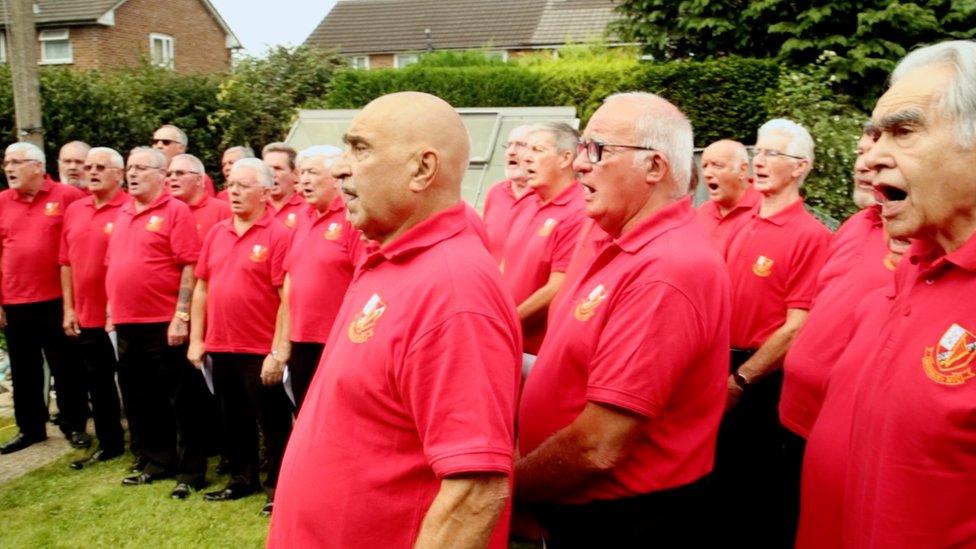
(542, 235)
(171, 141)
(773, 261)
(617, 422)
(31, 216)
(88, 225)
(287, 204)
(184, 179)
(503, 197)
(71, 161)
(149, 283)
(731, 198)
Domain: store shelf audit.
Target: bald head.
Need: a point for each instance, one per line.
(405, 159)
(725, 167)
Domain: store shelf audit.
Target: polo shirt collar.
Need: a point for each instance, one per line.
(667, 218)
(927, 256)
(566, 196)
(200, 203)
(433, 230)
(45, 188)
(873, 214)
(159, 201)
(785, 215)
(262, 222)
(118, 200)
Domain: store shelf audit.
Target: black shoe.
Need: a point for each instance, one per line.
(231, 492)
(223, 467)
(79, 439)
(20, 442)
(181, 491)
(268, 507)
(97, 457)
(138, 465)
(142, 478)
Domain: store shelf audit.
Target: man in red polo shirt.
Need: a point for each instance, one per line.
(324, 254)
(231, 155)
(184, 178)
(731, 198)
(617, 422)
(149, 283)
(406, 435)
(31, 214)
(240, 322)
(287, 204)
(502, 198)
(88, 225)
(541, 237)
(773, 261)
(71, 159)
(171, 141)
(896, 424)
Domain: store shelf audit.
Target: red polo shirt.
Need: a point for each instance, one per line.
(290, 211)
(323, 256)
(477, 225)
(84, 241)
(146, 256)
(30, 233)
(207, 212)
(499, 211)
(911, 469)
(589, 241)
(857, 264)
(773, 263)
(418, 382)
(722, 227)
(208, 186)
(540, 242)
(224, 195)
(243, 274)
(645, 329)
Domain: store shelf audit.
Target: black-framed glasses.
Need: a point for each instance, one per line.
(594, 149)
(98, 167)
(772, 153)
(141, 168)
(166, 142)
(180, 173)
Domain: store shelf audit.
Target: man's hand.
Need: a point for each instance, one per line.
(272, 371)
(178, 332)
(195, 353)
(735, 393)
(70, 323)
(3, 318)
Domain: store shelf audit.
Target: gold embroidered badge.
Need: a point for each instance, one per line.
(108, 228)
(763, 266)
(154, 224)
(547, 227)
(290, 220)
(259, 253)
(333, 232)
(363, 325)
(951, 361)
(52, 209)
(586, 308)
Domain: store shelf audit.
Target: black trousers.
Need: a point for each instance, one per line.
(304, 360)
(749, 465)
(163, 396)
(246, 405)
(668, 518)
(793, 448)
(100, 366)
(34, 331)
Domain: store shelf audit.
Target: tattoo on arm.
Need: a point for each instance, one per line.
(187, 281)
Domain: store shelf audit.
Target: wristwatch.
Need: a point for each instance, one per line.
(740, 380)
(185, 317)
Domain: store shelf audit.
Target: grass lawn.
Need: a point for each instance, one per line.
(8, 429)
(55, 506)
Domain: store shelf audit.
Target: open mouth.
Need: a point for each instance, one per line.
(712, 186)
(888, 193)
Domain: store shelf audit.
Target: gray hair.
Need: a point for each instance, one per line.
(113, 156)
(179, 133)
(75, 143)
(523, 129)
(328, 153)
(158, 158)
(800, 144)
(197, 165)
(33, 152)
(564, 136)
(278, 146)
(261, 170)
(958, 103)
(246, 152)
(668, 131)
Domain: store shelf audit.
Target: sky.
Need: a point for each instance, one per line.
(259, 24)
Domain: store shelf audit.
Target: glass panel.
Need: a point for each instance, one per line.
(57, 51)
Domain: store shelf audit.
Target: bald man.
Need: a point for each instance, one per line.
(731, 198)
(406, 435)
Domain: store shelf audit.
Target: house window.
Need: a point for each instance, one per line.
(3, 47)
(161, 50)
(401, 60)
(359, 62)
(55, 47)
(500, 55)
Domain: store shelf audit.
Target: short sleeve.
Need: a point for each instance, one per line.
(459, 381)
(63, 255)
(184, 240)
(810, 255)
(652, 333)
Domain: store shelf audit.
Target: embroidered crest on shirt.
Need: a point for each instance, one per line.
(259, 253)
(586, 308)
(890, 262)
(154, 224)
(363, 325)
(763, 266)
(290, 220)
(547, 227)
(333, 232)
(951, 362)
(52, 208)
(108, 228)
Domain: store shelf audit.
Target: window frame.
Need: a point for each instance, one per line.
(167, 40)
(398, 59)
(354, 58)
(46, 36)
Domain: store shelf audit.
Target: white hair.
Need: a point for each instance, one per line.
(564, 136)
(197, 164)
(328, 153)
(180, 134)
(261, 170)
(800, 142)
(520, 130)
(114, 158)
(958, 103)
(32, 151)
(667, 131)
(246, 152)
(158, 158)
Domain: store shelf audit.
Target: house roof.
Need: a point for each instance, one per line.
(387, 26)
(80, 12)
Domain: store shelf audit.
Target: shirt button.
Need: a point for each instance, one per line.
(929, 281)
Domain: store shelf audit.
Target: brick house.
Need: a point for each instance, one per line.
(188, 36)
(392, 33)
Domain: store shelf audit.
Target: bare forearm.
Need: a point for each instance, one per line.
(541, 298)
(464, 513)
(558, 467)
(67, 293)
(198, 311)
(282, 329)
(187, 281)
(769, 357)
